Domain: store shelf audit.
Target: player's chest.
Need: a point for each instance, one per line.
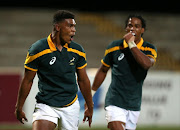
(58, 61)
(123, 61)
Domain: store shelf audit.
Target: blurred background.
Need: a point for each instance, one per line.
(98, 24)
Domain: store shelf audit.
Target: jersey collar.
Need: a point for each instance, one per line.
(52, 45)
(125, 45)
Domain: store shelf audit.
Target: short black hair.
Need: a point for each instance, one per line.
(60, 15)
(143, 21)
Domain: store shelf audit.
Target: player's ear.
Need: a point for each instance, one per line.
(57, 27)
(142, 30)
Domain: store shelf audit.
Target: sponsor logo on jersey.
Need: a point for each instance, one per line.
(121, 56)
(52, 61)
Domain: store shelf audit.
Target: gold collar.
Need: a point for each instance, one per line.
(125, 45)
(52, 45)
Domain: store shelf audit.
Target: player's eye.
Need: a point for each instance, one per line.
(137, 26)
(130, 25)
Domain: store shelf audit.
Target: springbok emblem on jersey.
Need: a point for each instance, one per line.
(71, 61)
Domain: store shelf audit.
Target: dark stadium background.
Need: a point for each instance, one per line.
(99, 5)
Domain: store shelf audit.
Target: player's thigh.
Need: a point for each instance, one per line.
(43, 125)
(114, 113)
(44, 117)
(69, 117)
(132, 120)
(116, 117)
(116, 125)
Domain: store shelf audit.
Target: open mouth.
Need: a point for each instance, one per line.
(134, 34)
(72, 37)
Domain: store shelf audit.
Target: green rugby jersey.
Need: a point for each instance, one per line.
(125, 90)
(56, 71)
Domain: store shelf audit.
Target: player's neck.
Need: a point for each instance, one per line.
(56, 41)
(137, 40)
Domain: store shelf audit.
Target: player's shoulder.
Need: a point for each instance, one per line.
(76, 46)
(149, 45)
(115, 43)
(38, 46)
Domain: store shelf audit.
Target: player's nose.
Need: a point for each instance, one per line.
(132, 29)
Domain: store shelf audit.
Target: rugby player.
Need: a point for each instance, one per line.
(129, 59)
(56, 60)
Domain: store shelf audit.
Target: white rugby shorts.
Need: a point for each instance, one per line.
(66, 118)
(130, 118)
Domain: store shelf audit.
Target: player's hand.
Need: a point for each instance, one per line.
(20, 115)
(87, 115)
(85, 106)
(129, 37)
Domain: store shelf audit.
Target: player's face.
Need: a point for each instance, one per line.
(67, 30)
(134, 25)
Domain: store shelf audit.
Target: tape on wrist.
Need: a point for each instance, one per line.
(132, 44)
(93, 92)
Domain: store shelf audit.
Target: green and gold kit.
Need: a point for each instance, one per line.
(125, 90)
(56, 71)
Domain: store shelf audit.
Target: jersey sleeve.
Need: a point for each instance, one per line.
(150, 50)
(107, 60)
(31, 61)
(82, 59)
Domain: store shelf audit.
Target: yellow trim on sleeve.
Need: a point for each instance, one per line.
(82, 66)
(104, 63)
(72, 101)
(51, 46)
(112, 49)
(149, 49)
(31, 58)
(30, 68)
(76, 51)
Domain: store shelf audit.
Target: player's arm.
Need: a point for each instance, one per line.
(145, 61)
(24, 90)
(85, 87)
(99, 78)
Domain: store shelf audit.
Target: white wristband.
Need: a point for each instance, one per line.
(93, 92)
(132, 44)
